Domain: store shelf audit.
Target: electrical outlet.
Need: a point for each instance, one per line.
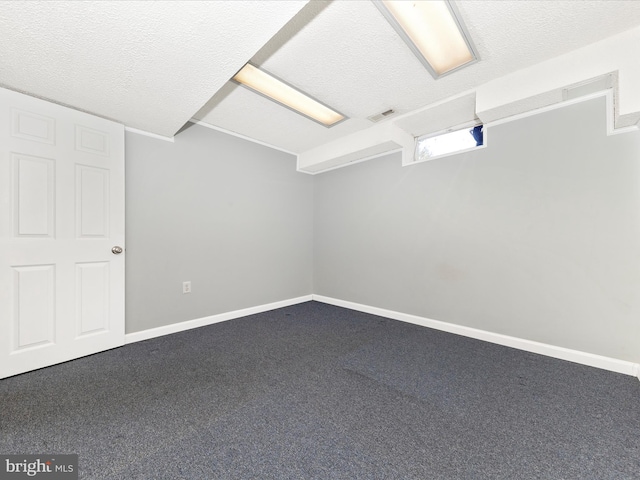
(186, 287)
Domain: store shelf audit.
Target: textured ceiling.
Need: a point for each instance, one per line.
(345, 54)
(149, 65)
(154, 65)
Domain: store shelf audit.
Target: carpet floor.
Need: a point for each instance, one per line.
(315, 391)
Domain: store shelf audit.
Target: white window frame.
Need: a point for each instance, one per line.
(466, 126)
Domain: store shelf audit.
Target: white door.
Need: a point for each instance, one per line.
(61, 213)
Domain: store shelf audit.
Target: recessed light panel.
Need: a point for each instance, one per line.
(277, 90)
(433, 31)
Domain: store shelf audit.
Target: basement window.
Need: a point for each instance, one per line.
(463, 140)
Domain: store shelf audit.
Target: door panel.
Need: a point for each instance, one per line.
(34, 199)
(61, 212)
(92, 202)
(34, 127)
(92, 297)
(33, 322)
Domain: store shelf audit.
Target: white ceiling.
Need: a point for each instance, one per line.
(150, 65)
(153, 65)
(349, 57)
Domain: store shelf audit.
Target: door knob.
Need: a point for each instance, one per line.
(116, 250)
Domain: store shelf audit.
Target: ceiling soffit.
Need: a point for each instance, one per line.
(347, 55)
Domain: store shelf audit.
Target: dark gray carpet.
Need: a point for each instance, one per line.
(316, 391)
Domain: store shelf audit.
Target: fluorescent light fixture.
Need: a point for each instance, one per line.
(434, 32)
(277, 90)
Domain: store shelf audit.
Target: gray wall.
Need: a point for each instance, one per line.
(537, 236)
(231, 216)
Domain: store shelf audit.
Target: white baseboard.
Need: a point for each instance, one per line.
(201, 322)
(576, 356)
